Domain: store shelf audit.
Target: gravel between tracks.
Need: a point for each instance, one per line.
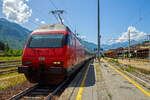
(134, 63)
(9, 92)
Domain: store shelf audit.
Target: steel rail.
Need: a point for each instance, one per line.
(28, 90)
(49, 97)
(21, 94)
(8, 64)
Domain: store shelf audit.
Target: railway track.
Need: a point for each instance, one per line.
(140, 77)
(47, 92)
(41, 92)
(9, 61)
(9, 64)
(9, 67)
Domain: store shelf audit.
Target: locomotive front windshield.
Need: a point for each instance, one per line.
(52, 40)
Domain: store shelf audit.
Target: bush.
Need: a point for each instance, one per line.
(114, 60)
(12, 52)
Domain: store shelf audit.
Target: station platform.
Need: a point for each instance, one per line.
(100, 82)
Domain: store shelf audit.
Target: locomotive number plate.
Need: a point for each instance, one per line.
(41, 58)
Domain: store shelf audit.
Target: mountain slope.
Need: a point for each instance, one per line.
(122, 44)
(13, 34)
(90, 46)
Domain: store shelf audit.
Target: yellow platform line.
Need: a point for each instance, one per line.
(79, 94)
(131, 81)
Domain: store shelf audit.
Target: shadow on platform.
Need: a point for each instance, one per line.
(90, 78)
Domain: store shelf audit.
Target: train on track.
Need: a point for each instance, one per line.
(52, 54)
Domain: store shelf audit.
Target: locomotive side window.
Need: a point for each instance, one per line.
(70, 41)
(52, 40)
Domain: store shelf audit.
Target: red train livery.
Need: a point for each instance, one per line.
(52, 53)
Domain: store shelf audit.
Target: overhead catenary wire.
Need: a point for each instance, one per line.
(58, 12)
(141, 18)
(39, 15)
(66, 20)
(31, 21)
(53, 4)
(37, 12)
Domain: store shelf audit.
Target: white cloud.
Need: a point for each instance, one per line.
(16, 10)
(134, 35)
(36, 19)
(40, 21)
(111, 41)
(83, 37)
(27, 0)
(43, 22)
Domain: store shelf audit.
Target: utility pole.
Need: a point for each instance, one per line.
(57, 14)
(149, 48)
(98, 19)
(129, 45)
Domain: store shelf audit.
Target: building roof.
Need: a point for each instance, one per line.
(110, 51)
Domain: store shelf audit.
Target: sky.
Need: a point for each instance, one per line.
(117, 17)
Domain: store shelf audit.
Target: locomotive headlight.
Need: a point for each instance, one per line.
(57, 63)
(54, 62)
(28, 62)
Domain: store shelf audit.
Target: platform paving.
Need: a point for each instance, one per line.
(90, 88)
(119, 88)
(102, 83)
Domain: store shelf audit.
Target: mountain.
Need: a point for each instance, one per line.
(89, 46)
(13, 34)
(120, 44)
(16, 36)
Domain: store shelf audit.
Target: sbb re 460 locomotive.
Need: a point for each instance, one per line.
(51, 54)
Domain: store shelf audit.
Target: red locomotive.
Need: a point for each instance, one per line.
(52, 53)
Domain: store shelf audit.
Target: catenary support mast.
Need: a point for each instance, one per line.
(129, 54)
(98, 19)
(149, 48)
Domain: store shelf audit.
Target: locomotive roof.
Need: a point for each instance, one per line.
(52, 27)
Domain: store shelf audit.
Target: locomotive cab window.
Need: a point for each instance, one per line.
(52, 40)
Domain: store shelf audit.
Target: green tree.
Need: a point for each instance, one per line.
(2, 46)
(7, 50)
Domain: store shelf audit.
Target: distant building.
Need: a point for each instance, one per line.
(138, 51)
